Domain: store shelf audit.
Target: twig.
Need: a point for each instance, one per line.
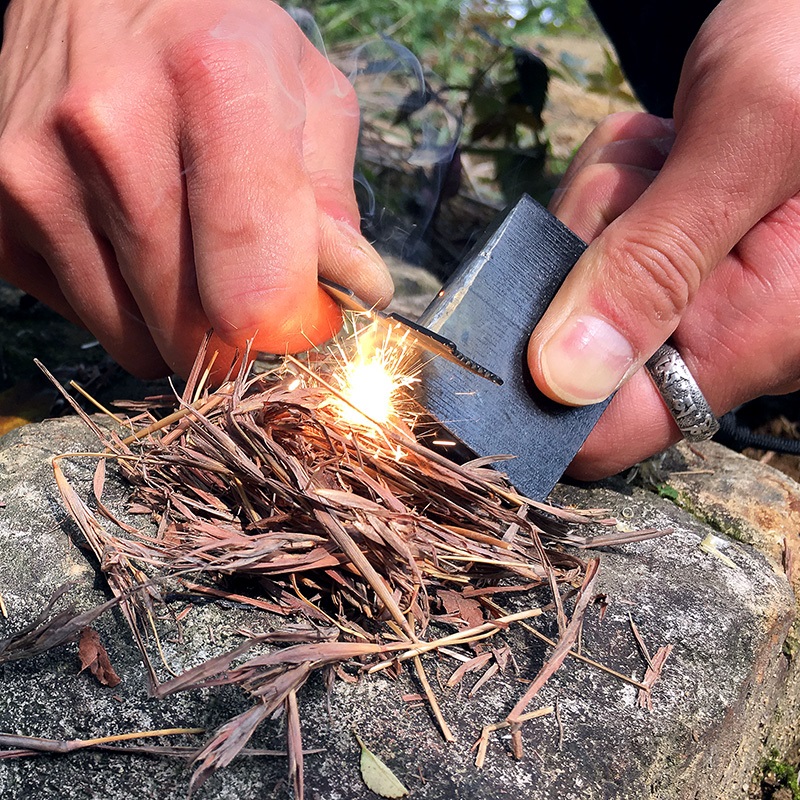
(574, 653)
(294, 739)
(204, 406)
(556, 658)
(99, 406)
(466, 636)
(378, 584)
(39, 745)
(437, 712)
(483, 741)
(642, 646)
(653, 673)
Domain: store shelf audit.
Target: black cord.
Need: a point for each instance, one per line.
(737, 436)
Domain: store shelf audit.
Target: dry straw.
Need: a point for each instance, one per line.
(355, 533)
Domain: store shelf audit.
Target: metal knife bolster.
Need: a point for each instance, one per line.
(490, 306)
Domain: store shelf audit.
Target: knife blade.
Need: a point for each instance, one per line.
(428, 340)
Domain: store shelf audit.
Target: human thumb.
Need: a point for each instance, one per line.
(732, 163)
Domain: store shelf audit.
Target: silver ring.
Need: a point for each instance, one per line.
(682, 395)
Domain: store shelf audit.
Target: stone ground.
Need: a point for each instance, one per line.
(728, 697)
(728, 693)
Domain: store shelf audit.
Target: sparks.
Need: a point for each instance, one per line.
(370, 388)
(371, 374)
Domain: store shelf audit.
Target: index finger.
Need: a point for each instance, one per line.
(251, 205)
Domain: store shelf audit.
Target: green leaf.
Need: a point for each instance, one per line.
(378, 777)
(664, 490)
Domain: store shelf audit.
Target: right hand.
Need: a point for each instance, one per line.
(167, 166)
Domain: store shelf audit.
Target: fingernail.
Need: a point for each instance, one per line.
(585, 360)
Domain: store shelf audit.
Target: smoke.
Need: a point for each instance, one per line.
(408, 142)
(409, 136)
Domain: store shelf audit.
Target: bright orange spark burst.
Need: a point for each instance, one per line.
(372, 370)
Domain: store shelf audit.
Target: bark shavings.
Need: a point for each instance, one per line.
(262, 493)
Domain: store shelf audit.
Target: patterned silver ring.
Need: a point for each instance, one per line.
(682, 395)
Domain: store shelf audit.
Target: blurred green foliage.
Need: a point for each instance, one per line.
(552, 16)
(443, 31)
(479, 90)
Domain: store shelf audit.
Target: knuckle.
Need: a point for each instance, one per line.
(595, 182)
(216, 73)
(214, 88)
(101, 135)
(656, 275)
(100, 132)
(629, 126)
(22, 180)
(331, 186)
(233, 87)
(240, 233)
(646, 153)
(239, 305)
(610, 126)
(616, 126)
(783, 100)
(209, 79)
(86, 117)
(202, 62)
(777, 99)
(598, 194)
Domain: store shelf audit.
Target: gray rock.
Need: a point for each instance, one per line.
(756, 504)
(414, 287)
(714, 706)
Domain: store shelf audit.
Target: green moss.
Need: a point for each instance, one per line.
(777, 773)
(791, 646)
(719, 522)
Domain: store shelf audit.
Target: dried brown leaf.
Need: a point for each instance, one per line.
(645, 697)
(461, 607)
(226, 743)
(94, 657)
(294, 741)
(50, 628)
(362, 529)
(468, 666)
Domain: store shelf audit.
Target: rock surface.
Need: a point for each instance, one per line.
(714, 707)
(758, 505)
(748, 501)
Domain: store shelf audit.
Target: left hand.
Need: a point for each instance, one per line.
(739, 335)
(701, 246)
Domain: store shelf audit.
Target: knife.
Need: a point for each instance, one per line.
(480, 390)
